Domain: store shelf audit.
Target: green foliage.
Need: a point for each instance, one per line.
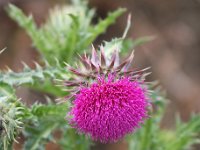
(122, 44)
(152, 137)
(67, 31)
(74, 141)
(41, 122)
(11, 111)
(37, 123)
(186, 132)
(40, 78)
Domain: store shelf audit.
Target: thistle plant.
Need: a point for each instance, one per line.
(67, 31)
(109, 102)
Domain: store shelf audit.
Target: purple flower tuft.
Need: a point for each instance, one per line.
(109, 108)
(109, 100)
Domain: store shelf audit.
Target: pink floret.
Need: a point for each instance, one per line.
(107, 110)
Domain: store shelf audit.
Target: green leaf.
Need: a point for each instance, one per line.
(68, 30)
(34, 77)
(103, 25)
(44, 119)
(37, 135)
(27, 23)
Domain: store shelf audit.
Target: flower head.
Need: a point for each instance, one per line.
(110, 101)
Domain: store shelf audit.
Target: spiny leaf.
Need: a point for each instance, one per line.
(103, 24)
(68, 30)
(34, 78)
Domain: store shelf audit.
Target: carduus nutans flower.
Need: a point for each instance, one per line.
(110, 101)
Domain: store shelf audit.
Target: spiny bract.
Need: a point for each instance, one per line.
(110, 101)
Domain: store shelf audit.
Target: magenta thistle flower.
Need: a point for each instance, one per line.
(110, 101)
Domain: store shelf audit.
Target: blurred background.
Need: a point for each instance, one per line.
(174, 54)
